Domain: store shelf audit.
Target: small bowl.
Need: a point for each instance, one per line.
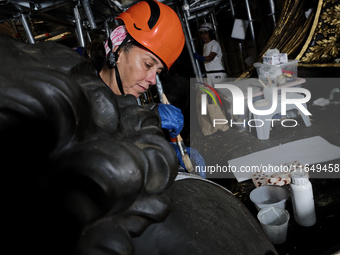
(269, 196)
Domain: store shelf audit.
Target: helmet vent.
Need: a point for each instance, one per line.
(134, 24)
(155, 13)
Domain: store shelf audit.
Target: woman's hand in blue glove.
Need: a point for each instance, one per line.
(199, 57)
(195, 158)
(172, 119)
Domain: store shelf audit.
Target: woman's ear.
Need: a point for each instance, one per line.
(113, 57)
(118, 53)
(115, 48)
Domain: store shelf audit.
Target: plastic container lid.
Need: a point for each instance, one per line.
(299, 177)
(290, 61)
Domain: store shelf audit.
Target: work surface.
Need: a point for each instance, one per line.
(218, 148)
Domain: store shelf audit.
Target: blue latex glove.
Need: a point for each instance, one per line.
(199, 57)
(172, 119)
(80, 50)
(196, 159)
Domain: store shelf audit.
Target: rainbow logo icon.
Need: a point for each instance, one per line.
(209, 93)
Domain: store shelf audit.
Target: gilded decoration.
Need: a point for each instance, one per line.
(323, 44)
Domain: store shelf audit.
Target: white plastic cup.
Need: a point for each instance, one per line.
(269, 196)
(269, 91)
(274, 221)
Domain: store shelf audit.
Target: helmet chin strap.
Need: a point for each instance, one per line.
(112, 59)
(118, 80)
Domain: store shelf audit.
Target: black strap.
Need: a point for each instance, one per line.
(217, 71)
(113, 57)
(119, 81)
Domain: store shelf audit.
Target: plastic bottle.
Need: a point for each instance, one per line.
(302, 198)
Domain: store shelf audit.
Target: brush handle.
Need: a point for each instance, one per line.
(181, 145)
(166, 101)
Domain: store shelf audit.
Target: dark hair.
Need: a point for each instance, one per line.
(95, 52)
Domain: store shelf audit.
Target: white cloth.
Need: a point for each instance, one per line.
(307, 151)
(216, 64)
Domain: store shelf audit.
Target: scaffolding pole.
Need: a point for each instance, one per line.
(272, 12)
(189, 43)
(79, 28)
(251, 25)
(30, 37)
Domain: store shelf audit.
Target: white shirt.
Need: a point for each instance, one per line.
(216, 63)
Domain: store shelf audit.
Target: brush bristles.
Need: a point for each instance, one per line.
(187, 163)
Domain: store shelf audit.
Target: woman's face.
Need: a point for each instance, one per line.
(137, 69)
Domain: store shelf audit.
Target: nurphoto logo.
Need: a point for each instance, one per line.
(277, 102)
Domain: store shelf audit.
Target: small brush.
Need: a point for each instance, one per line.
(185, 156)
(179, 140)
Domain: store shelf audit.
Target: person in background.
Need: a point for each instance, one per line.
(212, 55)
(139, 49)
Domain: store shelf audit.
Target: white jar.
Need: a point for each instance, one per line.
(302, 198)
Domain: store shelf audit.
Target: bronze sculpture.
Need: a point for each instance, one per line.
(87, 172)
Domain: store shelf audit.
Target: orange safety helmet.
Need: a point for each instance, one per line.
(157, 27)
